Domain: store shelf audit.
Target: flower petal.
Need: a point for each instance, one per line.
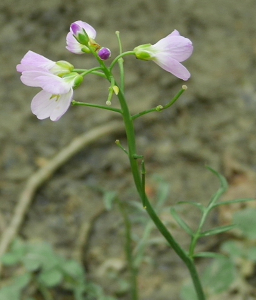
(172, 65)
(73, 45)
(91, 32)
(32, 61)
(45, 105)
(175, 33)
(177, 47)
(47, 81)
(42, 105)
(62, 106)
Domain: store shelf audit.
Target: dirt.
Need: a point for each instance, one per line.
(213, 123)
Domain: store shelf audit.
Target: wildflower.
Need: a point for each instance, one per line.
(81, 33)
(56, 80)
(168, 53)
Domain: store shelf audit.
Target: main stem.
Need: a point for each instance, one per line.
(130, 133)
(129, 252)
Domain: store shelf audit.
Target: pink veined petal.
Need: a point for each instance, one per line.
(46, 80)
(45, 105)
(177, 47)
(91, 32)
(73, 45)
(173, 66)
(32, 61)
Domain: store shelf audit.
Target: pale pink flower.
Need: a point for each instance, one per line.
(76, 39)
(168, 53)
(55, 79)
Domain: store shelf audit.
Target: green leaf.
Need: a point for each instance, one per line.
(246, 222)
(22, 281)
(251, 253)
(73, 269)
(163, 192)
(40, 255)
(32, 263)
(10, 259)
(208, 255)
(8, 292)
(234, 249)
(181, 222)
(219, 275)
(51, 278)
(223, 186)
(217, 230)
(233, 202)
(188, 292)
(198, 205)
(109, 198)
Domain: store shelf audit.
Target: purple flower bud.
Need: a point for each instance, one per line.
(104, 53)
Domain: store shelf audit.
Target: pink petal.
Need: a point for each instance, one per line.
(73, 45)
(45, 80)
(177, 47)
(173, 66)
(45, 105)
(91, 32)
(42, 105)
(32, 60)
(175, 33)
(62, 106)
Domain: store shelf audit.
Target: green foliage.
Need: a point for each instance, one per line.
(45, 269)
(217, 278)
(246, 222)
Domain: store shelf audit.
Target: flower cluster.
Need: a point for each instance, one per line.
(58, 79)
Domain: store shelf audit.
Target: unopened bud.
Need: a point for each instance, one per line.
(115, 89)
(104, 53)
(159, 108)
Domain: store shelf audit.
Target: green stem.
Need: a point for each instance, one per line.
(139, 185)
(197, 235)
(119, 56)
(96, 106)
(129, 252)
(160, 107)
(132, 153)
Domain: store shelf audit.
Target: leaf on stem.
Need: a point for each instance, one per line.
(198, 205)
(182, 224)
(217, 230)
(234, 202)
(223, 186)
(208, 255)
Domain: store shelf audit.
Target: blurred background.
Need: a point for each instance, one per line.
(212, 124)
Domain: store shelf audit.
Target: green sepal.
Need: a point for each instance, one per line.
(143, 52)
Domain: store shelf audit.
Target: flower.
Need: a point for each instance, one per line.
(56, 80)
(168, 53)
(77, 38)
